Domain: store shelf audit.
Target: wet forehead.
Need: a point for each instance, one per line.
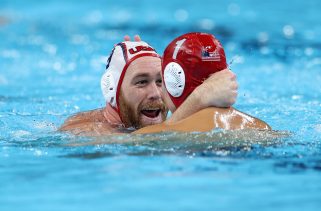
(144, 66)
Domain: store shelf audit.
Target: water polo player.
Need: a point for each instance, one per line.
(187, 61)
(132, 87)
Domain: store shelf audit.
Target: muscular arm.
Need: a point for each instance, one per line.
(209, 119)
(219, 90)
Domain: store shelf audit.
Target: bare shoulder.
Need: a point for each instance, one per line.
(251, 121)
(86, 116)
(86, 123)
(231, 119)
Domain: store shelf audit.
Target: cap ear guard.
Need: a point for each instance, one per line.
(108, 87)
(174, 79)
(110, 78)
(120, 58)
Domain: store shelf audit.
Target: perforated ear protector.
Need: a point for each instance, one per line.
(109, 88)
(174, 79)
(110, 78)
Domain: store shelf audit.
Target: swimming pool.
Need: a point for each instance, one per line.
(52, 55)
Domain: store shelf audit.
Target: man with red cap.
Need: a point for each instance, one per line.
(187, 61)
(132, 87)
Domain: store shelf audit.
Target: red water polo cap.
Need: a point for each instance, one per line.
(187, 61)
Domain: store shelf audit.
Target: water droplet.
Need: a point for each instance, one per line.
(57, 66)
(263, 37)
(308, 51)
(264, 50)
(181, 15)
(233, 9)
(288, 31)
(206, 24)
(94, 17)
(296, 97)
(50, 49)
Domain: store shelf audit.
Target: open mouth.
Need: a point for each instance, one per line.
(151, 113)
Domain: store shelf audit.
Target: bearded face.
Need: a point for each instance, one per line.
(141, 97)
(149, 113)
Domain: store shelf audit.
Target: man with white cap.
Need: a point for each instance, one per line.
(132, 87)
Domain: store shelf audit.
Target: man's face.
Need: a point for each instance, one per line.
(141, 99)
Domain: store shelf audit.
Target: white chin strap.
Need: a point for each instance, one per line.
(174, 79)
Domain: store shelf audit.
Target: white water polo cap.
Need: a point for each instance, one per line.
(121, 57)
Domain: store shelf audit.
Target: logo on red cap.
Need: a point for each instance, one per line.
(211, 56)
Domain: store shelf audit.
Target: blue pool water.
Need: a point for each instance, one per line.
(52, 54)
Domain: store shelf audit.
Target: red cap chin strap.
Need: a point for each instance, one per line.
(112, 116)
(123, 75)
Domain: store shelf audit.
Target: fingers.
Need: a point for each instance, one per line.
(225, 74)
(127, 37)
(137, 38)
(234, 86)
(234, 96)
(233, 76)
(230, 73)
